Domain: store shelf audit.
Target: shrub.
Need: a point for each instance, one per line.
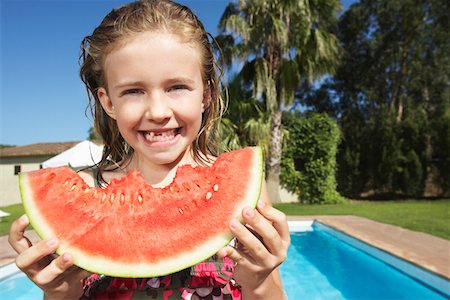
(309, 159)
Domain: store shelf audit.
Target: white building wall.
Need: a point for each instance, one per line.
(9, 182)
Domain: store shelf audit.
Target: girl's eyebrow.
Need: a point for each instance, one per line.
(177, 80)
(125, 84)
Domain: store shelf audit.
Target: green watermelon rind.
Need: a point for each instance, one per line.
(44, 230)
(117, 269)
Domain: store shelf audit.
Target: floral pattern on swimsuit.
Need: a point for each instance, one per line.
(211, 279)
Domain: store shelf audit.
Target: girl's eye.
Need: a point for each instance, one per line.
(132, 91)
(178, 87)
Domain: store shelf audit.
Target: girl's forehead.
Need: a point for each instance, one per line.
(152, 42)
(153, 35)
(162, 52)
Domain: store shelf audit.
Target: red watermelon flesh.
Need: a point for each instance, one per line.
(130, 229)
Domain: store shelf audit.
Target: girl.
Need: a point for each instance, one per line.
(153, 87)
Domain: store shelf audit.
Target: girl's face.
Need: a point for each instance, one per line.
(155, 92)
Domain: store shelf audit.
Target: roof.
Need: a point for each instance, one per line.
(37, 149)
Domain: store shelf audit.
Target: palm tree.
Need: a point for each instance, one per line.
(283, 42)
(245, 122)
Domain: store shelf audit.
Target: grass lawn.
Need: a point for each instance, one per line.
(429, 216)
(16, 211)
(420, 215)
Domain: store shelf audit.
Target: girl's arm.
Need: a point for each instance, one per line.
(262, 247)
(55, 275)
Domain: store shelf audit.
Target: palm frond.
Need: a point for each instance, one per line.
(290, 79)
(229, 138)
(265, 83)
(238, 26)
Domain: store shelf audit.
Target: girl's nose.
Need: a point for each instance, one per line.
(158, 109)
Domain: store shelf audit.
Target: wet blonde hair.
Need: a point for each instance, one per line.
(117, 28)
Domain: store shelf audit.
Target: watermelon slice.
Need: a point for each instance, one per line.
(130, 229)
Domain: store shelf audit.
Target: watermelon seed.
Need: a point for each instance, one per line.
(208, 195)
(171, 189)
(216, 188)
(111, 199)
(140, 198)
(181, 211)
(73, 187)
(122, 199)
(103, 198)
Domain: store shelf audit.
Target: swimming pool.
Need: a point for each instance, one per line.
(322, 264)
(19, 287)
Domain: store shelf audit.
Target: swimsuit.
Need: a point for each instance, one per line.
(211, 279)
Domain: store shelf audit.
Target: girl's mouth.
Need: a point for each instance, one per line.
(160, 136)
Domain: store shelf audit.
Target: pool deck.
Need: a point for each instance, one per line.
(429, 252)
(7, 253)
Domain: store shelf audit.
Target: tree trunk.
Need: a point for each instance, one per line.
(396, 100)
(432, 186)
(399, 109)
(274, 164)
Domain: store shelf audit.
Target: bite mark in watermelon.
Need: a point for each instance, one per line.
(130, 229)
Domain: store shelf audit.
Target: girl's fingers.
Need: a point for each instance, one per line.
(270, 236)
(61, 265)
(36, 253)
(16, 236)
(57, 266)
(231, 253)
(249, 243)
(278, 219)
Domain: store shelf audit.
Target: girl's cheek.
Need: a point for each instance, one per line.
(130, 111)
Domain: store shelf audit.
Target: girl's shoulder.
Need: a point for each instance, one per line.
(92, 178)
(88, 176)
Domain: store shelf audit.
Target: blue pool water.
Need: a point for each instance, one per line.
(19, 287)
(319, 266)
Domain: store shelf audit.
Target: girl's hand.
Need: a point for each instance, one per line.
(262, 247)
(55, 275)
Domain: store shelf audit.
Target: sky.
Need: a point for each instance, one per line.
(42, 97)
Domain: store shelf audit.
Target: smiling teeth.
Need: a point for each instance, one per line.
(159, 136)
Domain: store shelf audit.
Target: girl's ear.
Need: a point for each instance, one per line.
(106, 102)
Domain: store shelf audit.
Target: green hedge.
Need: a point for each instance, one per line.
(309, 158)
